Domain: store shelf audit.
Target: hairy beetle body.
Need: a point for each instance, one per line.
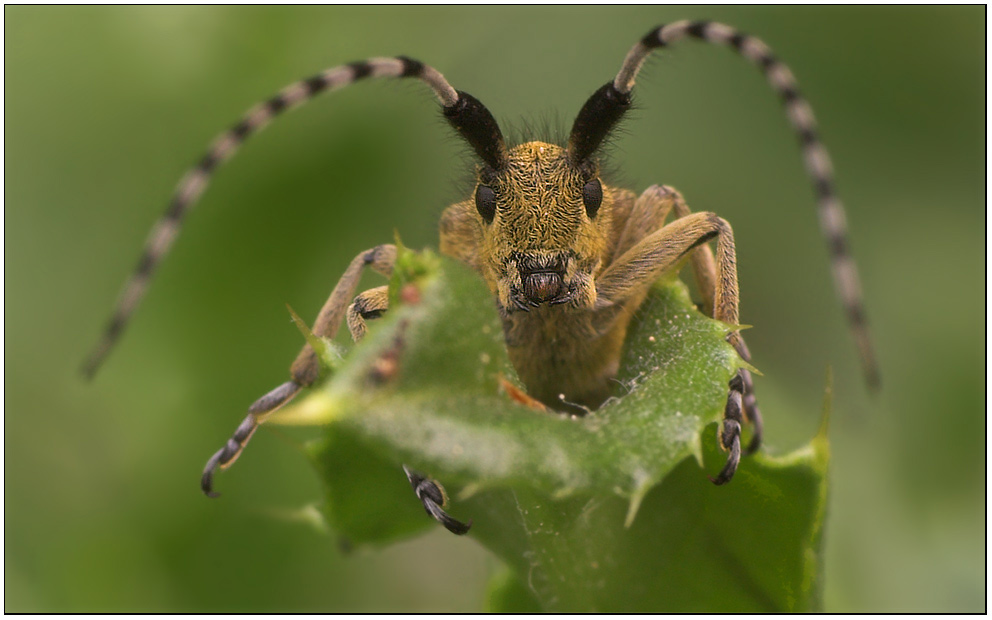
(540, 255)
(567, 258)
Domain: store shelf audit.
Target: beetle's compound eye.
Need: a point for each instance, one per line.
(592, 197)
(485, 202)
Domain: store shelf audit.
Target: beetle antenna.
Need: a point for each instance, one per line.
(605, 108)
(465, 113)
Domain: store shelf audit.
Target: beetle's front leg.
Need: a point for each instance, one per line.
(368, 305)
(705, 272)
(635, 270)
(306, 368)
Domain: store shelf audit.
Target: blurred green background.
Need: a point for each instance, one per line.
(106, 107)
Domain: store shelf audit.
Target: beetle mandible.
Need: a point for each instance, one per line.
(567, 257)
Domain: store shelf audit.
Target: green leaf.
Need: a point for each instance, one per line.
(605, 512)
(507, 594)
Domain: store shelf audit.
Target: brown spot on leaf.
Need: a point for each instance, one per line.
(520, 396)
(410, 294)
(387, 366)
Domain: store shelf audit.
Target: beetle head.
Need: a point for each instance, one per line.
(545, 226)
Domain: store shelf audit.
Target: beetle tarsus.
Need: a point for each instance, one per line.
(432, 496)
(730, 431)
(733, 429)
(207, 480)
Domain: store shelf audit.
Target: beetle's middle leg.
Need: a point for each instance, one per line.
(370, 305)
(634, 270)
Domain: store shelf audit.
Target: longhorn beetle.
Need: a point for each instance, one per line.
(567, 257)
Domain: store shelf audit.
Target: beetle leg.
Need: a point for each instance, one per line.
(633, 272)
(704, 269)
(368, 305)
(647, 216)
(433, 497)
(306, 368)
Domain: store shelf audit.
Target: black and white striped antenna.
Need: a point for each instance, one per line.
(606, 107)
(465, 113)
